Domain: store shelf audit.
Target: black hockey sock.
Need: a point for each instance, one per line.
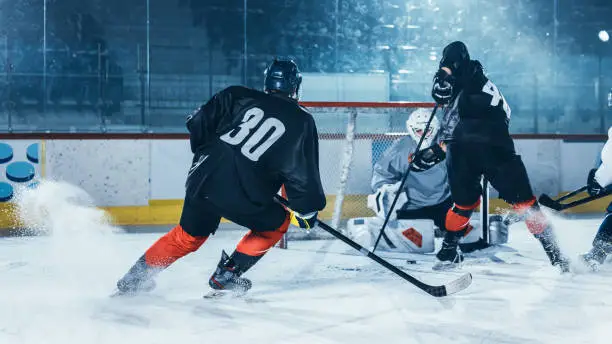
(604, 233)
(243, 262)
(550, 246)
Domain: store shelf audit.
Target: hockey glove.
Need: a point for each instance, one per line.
(427, 158)
(442, 91)
(306, 221)
(593, 187)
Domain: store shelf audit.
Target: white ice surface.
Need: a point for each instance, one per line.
(54, 289)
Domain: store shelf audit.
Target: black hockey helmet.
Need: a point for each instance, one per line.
(455, 56)
(282, 76)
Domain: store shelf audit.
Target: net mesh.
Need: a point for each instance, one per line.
(352, 137)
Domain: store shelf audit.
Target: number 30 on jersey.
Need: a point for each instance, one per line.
(491, 89)
(257, 141)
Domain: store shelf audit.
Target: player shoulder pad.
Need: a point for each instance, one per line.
(237, 90)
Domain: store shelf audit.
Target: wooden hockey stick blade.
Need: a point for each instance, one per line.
(438, 291)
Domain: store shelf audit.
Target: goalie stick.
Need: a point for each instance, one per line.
(418, 147)
(548, 202)
(452, 287)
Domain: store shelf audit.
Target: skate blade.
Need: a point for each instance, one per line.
(231, 295)
(216, 294)
(446, 266)
(132, 293)
(119, 293)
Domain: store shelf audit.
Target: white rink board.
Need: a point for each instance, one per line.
(170, 161)
(113, 172)
(132, 172)
(576, 161)
(541, 158)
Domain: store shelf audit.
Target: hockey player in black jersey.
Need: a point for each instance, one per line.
(246, 145)
(475, 128)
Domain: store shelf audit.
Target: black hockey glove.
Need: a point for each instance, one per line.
(442, 90)
(593, 187)
(427, 158)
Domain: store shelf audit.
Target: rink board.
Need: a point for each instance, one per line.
(139, 179)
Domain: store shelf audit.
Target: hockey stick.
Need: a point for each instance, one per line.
(548, 202)
(437, 291)
(404, 178)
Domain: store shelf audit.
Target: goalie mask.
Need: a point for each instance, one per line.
(416, 124)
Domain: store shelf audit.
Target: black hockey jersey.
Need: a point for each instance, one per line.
(255, 143)
(479, 113)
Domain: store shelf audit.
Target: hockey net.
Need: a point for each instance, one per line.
(352, 137)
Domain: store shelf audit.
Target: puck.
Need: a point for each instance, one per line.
(411, 261)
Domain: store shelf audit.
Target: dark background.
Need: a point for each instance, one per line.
(138, 65)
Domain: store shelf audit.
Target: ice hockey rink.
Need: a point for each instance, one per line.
(56, 287)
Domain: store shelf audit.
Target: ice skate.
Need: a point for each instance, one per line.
(593, 259)
(139, 279)
(597, 255)
(226, 279)
(450, 255)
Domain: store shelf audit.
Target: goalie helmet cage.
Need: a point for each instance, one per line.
(352, 138)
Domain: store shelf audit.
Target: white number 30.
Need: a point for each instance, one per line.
(496, 97)
(261, 139)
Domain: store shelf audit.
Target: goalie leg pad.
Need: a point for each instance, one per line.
(413, 236)
(458, 217)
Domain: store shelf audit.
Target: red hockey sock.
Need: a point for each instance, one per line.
(258, 243)
(174, 245)
(535, 220)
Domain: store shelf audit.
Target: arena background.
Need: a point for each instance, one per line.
(100, 88)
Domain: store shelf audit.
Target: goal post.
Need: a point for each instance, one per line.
(352, 138)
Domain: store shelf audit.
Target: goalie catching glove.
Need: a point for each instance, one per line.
(306, 221)
(427, 158)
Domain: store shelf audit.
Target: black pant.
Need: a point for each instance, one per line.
(200, 217)
(436, 213)
(503, 168)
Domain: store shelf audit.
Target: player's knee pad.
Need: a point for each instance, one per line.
(458, 217)
(258, 243)
(534, 217)
(172, 246)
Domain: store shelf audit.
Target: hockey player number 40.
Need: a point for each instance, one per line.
(259, 140)
(496, 97)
